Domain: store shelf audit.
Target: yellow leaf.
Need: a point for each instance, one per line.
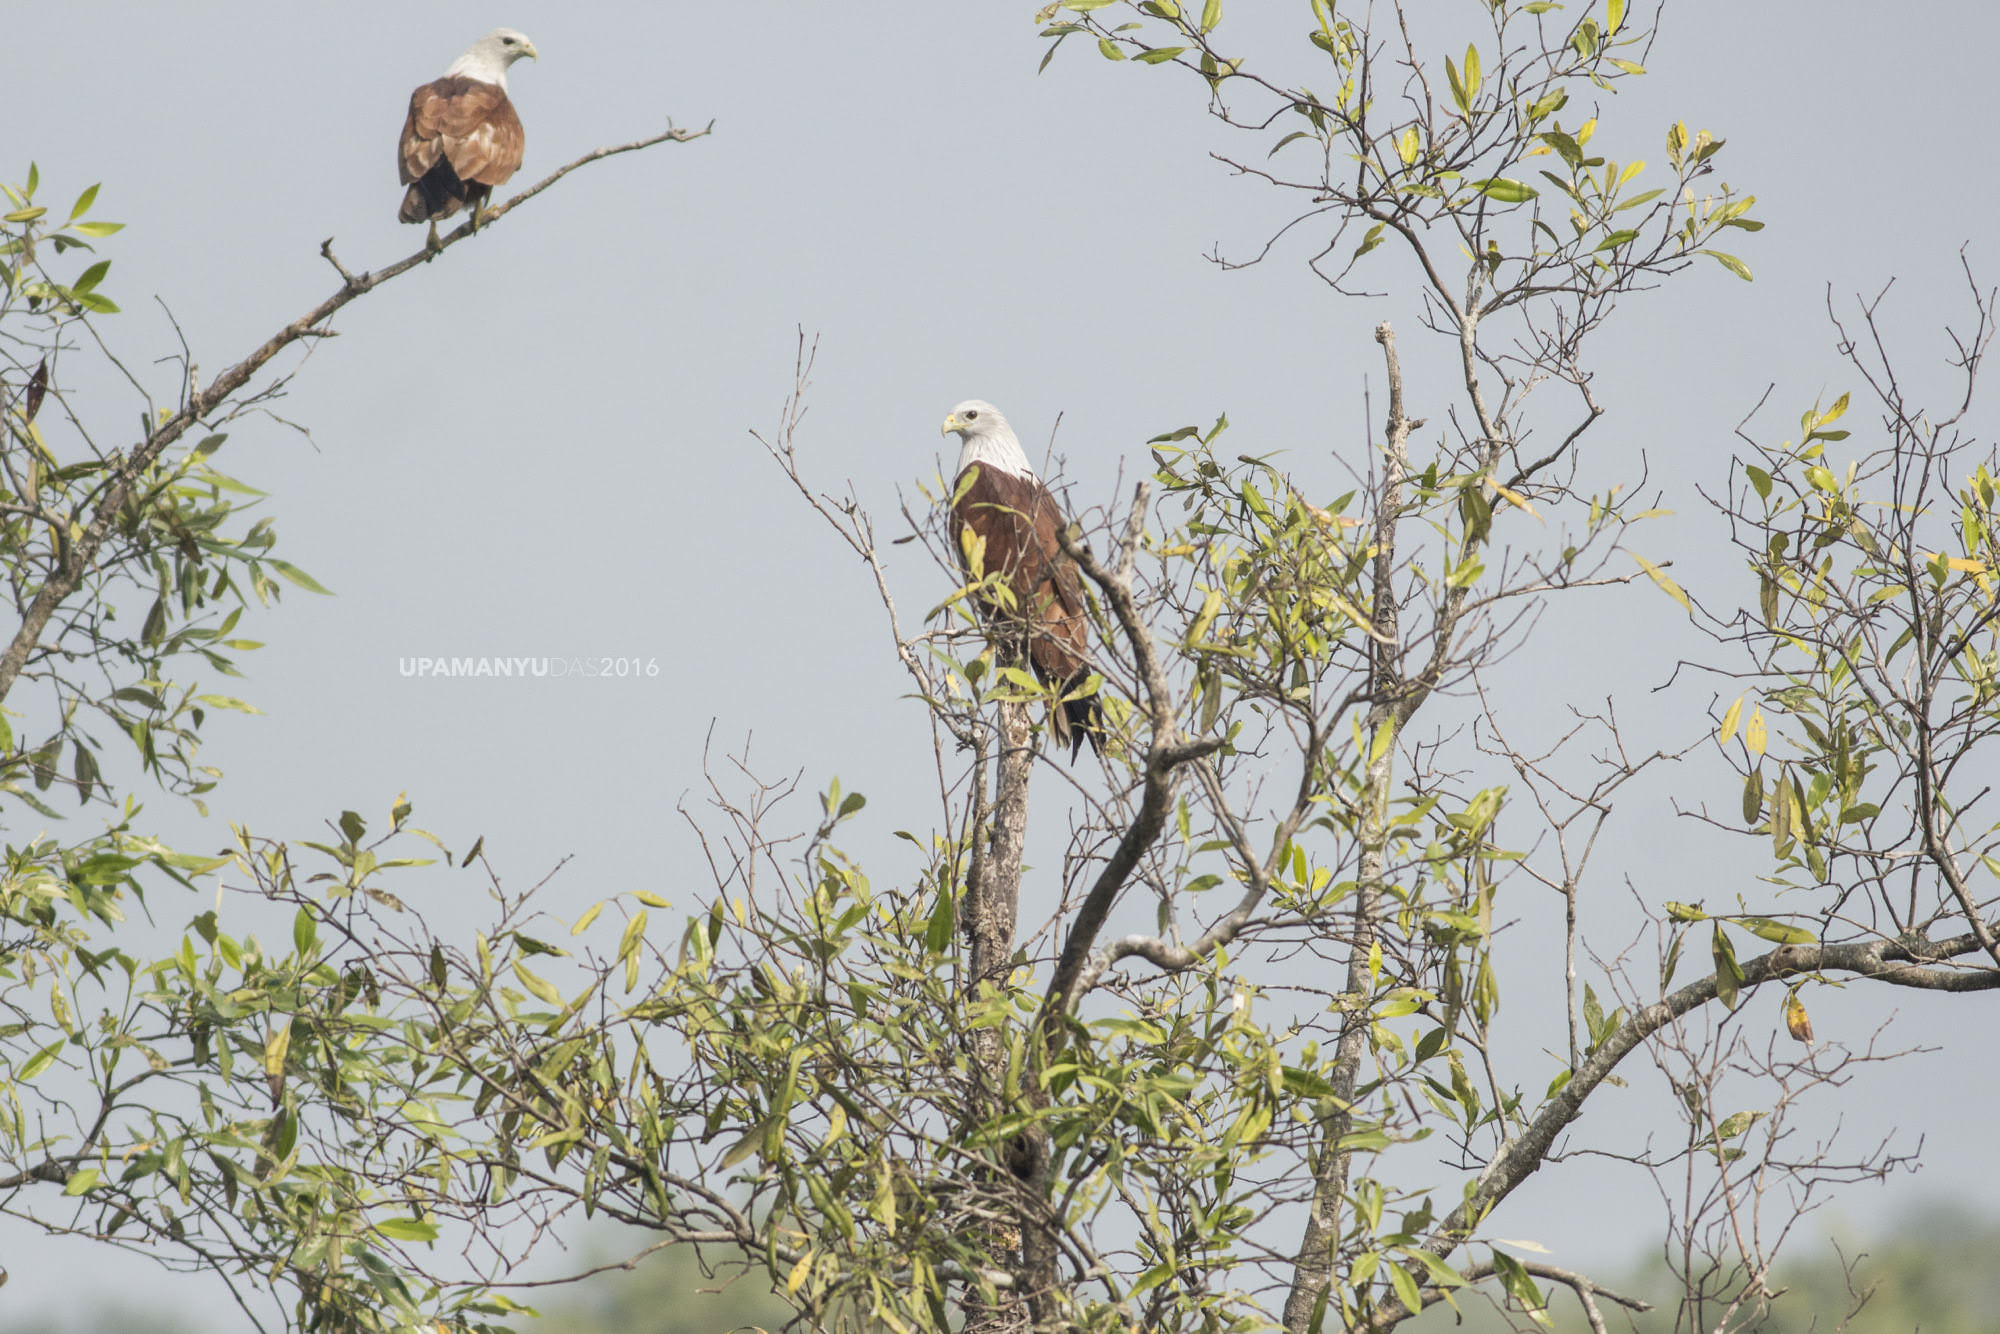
(1210, 606)
(796, 1279)
(885, 1200)
(1668, 586)
(1753, 734)
(583, 922)
(1797, 1022)
(1359, 617)
(1513, 498)
(974, 548)
(541, 989)
(1379, 747)
(276, 1046)
(1729, 721)
(635, 931)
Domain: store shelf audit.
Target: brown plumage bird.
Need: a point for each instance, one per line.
(462, 136)
(1004, 523)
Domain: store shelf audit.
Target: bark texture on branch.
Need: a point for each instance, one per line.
(1312, 1269)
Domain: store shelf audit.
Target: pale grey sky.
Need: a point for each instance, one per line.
(539, 446)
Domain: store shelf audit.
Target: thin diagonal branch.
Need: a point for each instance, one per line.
(76, 561)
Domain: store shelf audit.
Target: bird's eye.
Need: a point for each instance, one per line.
(507, 41)
(973, 415)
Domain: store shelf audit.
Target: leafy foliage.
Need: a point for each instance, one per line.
(1255, 1065)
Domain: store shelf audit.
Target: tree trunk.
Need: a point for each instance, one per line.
(991, 911)
(1312, 1271)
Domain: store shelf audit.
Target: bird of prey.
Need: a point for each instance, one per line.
(1004, 525)
(462, 136)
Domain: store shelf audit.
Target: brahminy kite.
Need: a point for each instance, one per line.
(1004, 525)
(462, 136)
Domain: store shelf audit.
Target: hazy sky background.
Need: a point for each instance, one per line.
(539, 446)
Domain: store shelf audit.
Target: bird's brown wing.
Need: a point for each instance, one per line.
(1016, 521)
(471, 125)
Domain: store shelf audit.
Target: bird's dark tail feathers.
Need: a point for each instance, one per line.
(1082, 719)
(438, 194)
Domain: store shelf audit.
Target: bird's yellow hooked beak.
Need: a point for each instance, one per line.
(528, 50)
(951, 423)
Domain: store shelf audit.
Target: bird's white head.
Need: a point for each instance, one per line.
(987, 438)
(487, 59)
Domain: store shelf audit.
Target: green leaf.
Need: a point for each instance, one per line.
(1211, 14)
(407, 1229)
(41, 1060)
(1614, 16)
(937, 932)
(1405, 1286)
(1779, 932)
(1505, 190)
(1781, 816)
(297, 576)
(1159, 55)
(97, 228)
(1728, 973)
(80, 1182)
(1730, 262)
(1736, 1124)
(1441, 1273)
(83, 203)
(744, 1147)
